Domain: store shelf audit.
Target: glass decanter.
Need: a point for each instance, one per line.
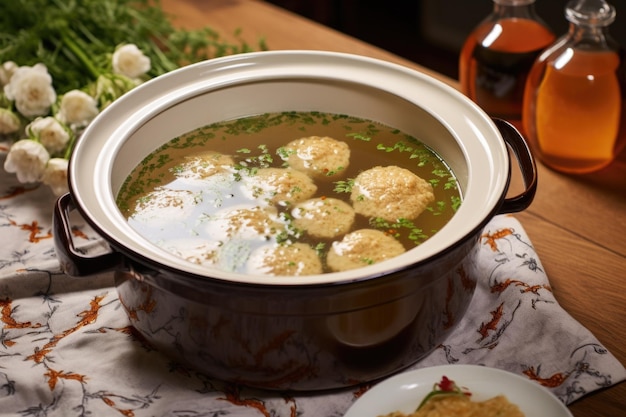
(573, 100)
(498, 54)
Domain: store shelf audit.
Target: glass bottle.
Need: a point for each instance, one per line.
(498, 54)
(573, 101)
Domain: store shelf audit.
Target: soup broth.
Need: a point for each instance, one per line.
(244, 195)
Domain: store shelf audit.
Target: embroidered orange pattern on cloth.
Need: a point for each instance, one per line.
(67, 346)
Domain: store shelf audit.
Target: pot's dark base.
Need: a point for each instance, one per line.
(301, 339)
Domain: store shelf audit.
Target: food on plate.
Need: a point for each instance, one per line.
(250, 198)
(447, 399)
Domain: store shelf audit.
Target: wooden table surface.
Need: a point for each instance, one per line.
(577, 223)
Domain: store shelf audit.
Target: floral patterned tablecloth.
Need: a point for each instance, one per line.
(67, 347)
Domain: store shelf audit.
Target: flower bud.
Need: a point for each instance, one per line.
(49, 131)
(55, 176)
(31, 89)
(128, 60)
(77, 108)
(9, 122)
(27, 159)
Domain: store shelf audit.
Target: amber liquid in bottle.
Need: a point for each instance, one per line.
(495, 62)
(577, 110)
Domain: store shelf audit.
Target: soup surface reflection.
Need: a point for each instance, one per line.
(293, 193)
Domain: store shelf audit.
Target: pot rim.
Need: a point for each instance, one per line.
(484, 150)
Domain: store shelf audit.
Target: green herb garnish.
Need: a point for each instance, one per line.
(344, 186)
(394, 229)
(75, 39)
(446, 387)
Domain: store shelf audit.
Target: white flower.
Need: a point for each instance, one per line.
(55, 175)
(6, 72)
(50, 132)
(31, 89)
(27, 158)
(77, 108)
(128, 60)
(9, 122)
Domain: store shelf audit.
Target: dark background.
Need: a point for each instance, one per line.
(428, 32)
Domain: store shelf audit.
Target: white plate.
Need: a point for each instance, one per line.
(405, 391)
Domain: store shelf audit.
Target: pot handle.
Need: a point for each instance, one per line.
(527, 165)
(73, 262)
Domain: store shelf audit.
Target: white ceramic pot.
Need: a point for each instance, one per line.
(311, 332)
